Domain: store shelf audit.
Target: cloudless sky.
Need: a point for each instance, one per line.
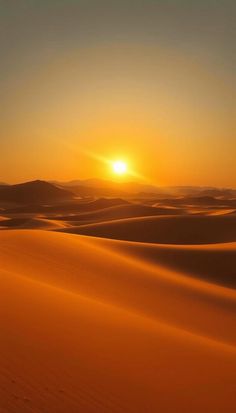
(151, 82)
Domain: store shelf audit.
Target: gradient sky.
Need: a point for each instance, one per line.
(150, 81)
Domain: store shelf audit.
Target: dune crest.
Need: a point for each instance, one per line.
(167, 229)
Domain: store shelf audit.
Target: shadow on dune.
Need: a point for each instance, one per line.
(165, 229)
(119, 212)
(215, 263)
(30, 223)
(122, 275)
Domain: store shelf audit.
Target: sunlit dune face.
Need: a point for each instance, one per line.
(119, 167)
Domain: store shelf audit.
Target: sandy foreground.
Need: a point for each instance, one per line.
(98, 325)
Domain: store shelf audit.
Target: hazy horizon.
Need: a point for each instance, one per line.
(115, 181)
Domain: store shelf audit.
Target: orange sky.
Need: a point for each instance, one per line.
(153, 85)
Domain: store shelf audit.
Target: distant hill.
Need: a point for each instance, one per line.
(38, 192)
(34, 192)
(105, 188)
(87, 191)
(219, 193)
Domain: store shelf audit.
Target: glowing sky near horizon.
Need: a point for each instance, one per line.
(149, 81)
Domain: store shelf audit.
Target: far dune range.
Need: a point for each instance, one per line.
(116, 305)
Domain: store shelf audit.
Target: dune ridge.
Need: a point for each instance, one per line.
(31, 223)
(166, 229)
(117, 212)
(133, 266)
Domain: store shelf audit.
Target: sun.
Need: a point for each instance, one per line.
(119, 167)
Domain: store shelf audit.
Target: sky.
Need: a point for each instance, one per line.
(151, 82)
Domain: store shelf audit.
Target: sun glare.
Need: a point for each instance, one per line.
(119, 167)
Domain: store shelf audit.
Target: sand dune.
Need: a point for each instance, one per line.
(33, 192)
(31, 223)
(194, 229)
(94, 325)
(75, 206)
(118, 212)
(215, 263)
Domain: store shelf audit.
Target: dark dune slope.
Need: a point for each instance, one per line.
(165, 229)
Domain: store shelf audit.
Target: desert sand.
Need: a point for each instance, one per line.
(101, 325)
(116, 305)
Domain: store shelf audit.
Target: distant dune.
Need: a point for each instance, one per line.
(101, 187)
(91, 325)
(33, 192)
(202, 201)
(31, 223)
(118, 212)
(68, 207)
(194, 229)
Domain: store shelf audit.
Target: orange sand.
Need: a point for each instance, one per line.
(92, 325)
